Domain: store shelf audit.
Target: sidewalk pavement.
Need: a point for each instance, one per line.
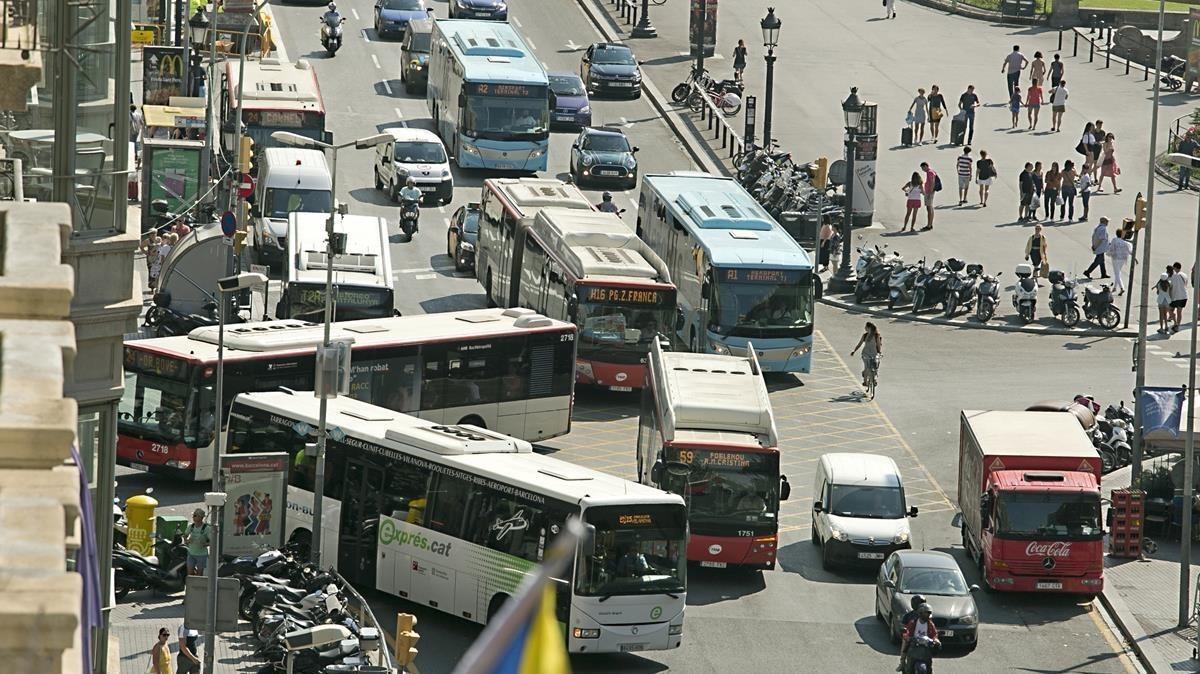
(136, 622)
(1142, 596)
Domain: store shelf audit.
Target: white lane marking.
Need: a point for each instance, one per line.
(632, 204)
(364, 34)
(625, 122)
(386, 87)
(399, 115)
(425, 277)
(355, 13)
(516, 21)
(531, 44)
(375, 60)
(572, 46)
(420, 270)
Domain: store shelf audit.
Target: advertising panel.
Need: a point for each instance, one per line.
(254, 485)
(703, 13)
(164, 73)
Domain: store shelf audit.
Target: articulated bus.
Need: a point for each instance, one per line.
(454, 517)
(589, 268)
(277, 96)
(507, 369)
(740, 275)
(707, 432)
(489, 96)
(362, 272)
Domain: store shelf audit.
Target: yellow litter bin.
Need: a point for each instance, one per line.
(139, 512)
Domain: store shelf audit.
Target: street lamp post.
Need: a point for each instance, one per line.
(770, 30)
(644, 28)
(201, 24)
(852, 108)
(226, 287)
(296, 140)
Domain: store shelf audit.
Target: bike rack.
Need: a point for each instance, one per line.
(729, 137)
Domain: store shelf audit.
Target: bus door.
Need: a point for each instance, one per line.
(358, 536)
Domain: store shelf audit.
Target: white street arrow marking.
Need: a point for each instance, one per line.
(572, 46)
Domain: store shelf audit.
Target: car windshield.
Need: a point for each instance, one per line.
(158, 407)
(615, 55)
(1048, 515)
(403, 5)
(605, 142)
(762, 309)
(885, 503)
(419, 42)
(727, 486)
(280, 202)
(640, 549)
(419, 152)
(617, 324)
(566, 85)
(502, 118)
(928, 580)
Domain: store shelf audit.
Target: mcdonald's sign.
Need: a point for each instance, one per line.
(164, 73)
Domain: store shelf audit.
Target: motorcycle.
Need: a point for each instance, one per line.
(873, 270)
(164, 571)
(900, 284)
(163, 321)
(962, 288)
(1098, 307)
(919, 656)
(932, 287)
(331, 33)
(1024, 297)
(988, 297)
(410, 214)
(1062, 299)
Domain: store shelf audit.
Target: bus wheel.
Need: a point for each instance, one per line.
(495, 605)
(472, 419)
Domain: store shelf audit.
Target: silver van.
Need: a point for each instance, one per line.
(859, 511)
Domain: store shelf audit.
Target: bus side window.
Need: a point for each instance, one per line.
(506, 525)
(449, 503)
(405, 493)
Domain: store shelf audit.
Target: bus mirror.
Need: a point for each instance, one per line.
(678, 469)
(587, 543)
(656, 472)
(957, 521)
(785, 488)
(704, 291)
(572, 308)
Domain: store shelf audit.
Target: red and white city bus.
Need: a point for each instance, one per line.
(277, 96)
(707, 433)
(509, 370)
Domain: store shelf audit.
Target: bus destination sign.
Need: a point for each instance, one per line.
(638, 296)
(717, 459)
(283, 119)
(137, 360)
(636, 520)
(778, 276)
(508, 90)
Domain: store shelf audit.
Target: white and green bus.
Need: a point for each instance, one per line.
(453, 516)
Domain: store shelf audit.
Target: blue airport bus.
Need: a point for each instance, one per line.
(489, 96)
(740, 276)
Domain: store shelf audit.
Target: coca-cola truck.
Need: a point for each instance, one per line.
(1029, 501)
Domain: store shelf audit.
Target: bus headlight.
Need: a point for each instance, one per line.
(537, 152)
(467, 148)
(720, 349)
(802, 351)
(581, 633)
(583, 369)
(176, 463)
(675, 630)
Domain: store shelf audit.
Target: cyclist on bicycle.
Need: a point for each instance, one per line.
(871, 343)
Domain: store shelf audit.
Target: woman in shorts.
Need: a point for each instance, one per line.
(913, 190)
(985, 174)
(1033, 103)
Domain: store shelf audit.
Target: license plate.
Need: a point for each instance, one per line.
(564, 118)
(621, 389)
(139, 466)
(427, 188)
(608, 172)
(629, 648)
(714, 565)
(622, 84)
(946, 633)
(1049, 586)
(505, 165)
(870, 555)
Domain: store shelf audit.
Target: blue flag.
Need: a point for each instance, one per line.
(1162, 409)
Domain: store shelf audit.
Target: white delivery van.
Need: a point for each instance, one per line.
(859, 511)
(417, 154)
(290, 180)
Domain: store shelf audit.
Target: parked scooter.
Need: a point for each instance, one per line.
(900, 284)
(163, 321)
(1024, 297)
(962, 289)
(165, 571)
(1062, 298)
(988, 297)
(931, 287)
(874, 270)
(1098, 307)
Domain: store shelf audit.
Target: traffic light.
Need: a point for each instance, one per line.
(1139, 212)
(239, 241)
(246, 153)
(406, 641)
(822, 174)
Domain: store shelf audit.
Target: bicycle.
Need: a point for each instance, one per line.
(871, 375)
(727, 102)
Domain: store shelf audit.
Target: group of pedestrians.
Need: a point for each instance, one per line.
(189, 649)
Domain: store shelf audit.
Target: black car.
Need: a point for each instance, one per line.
(935, 576)
(461, 236)
(611, 68)
(414, 55)
(603, 156)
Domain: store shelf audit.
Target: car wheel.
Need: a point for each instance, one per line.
(378, 182)
(394, 192)
(893, 631)
(449, 250)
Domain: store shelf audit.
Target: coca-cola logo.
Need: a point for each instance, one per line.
(1056, 549)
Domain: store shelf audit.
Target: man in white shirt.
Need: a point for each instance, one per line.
(1179, 295)
(1013, 64)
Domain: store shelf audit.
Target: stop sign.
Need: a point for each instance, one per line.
(245, 185)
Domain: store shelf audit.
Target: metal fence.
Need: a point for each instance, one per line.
(361, 611)
(732, 143)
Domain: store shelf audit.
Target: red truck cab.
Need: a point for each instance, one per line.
(1029, 496)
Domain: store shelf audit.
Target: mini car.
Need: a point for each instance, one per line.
(604, 156)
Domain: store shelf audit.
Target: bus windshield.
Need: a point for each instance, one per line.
(616, 331)
(164, 405)
(502, 118)
(728, 486)
(757, 309)
(280, 202)
(1067, 516)
(306, 302)
(639, 550)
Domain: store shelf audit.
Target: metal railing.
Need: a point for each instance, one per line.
(731, 141)
(1101, 38)
(627, 10)
(361, 611)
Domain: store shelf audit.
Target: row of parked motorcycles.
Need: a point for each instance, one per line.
(957, 287)
(1109, 431)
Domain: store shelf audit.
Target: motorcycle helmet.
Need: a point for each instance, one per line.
(410, 182)
(333, 6)
(918, 601)
(925, 610)
(607, 196)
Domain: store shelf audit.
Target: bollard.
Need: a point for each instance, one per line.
(1108, 48)
(1075, 47)
(633, 12)
(1126, 66)
(1060, 32)
(1146, 68)
(1091, 51)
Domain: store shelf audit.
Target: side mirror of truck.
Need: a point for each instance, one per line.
(818, 506)
(889, 584)
(957, 522)
(912, 512)
(785, 488)
(974, 588)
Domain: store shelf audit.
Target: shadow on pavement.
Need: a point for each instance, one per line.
(712, 586)
(875, 634)
(804, 558)
(370, 195)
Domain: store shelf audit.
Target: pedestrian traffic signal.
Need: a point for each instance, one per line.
(246, 153)
(406, 640)
(1139, 212)
(822, 174)
(239, 241)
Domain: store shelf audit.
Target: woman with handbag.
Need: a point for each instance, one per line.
(1035, 252)
(1087, 141)
(1066, 208)
(1053, 181)
(937, 110)
(1108, 163)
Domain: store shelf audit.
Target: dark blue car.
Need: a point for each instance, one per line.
(611, 68)
(571, 104)
(496, 10)
(392, 16)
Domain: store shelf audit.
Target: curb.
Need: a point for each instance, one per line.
(1133, 632)
(971, 12)
(701, 155)
(965, 322)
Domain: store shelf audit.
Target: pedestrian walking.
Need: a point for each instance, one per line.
(153, 259)
(1179, 294)
(1033, 103)
(985, 175)
(1053, 181)
(1039, 187)
(1036, 253)
(933, 185)
(1056, 71)
(917, 111)
(826, 238)
(1120, 251)
(1025, 183)
(739, 60)
(1187, 146)
(967, 102)
(1164, 304)
(160, 654)
(1037, 69)
(1087, 140)
(1086, 188)
(1108, 163)
(1099, 249)
(913, 191)
(937, 110)
(1066, 210)
(1058, 103)
(1012, 66)
(1014, 104)
(189, 643)
(964, 166)
(889, 9)
(197, 538)
(137, 127)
